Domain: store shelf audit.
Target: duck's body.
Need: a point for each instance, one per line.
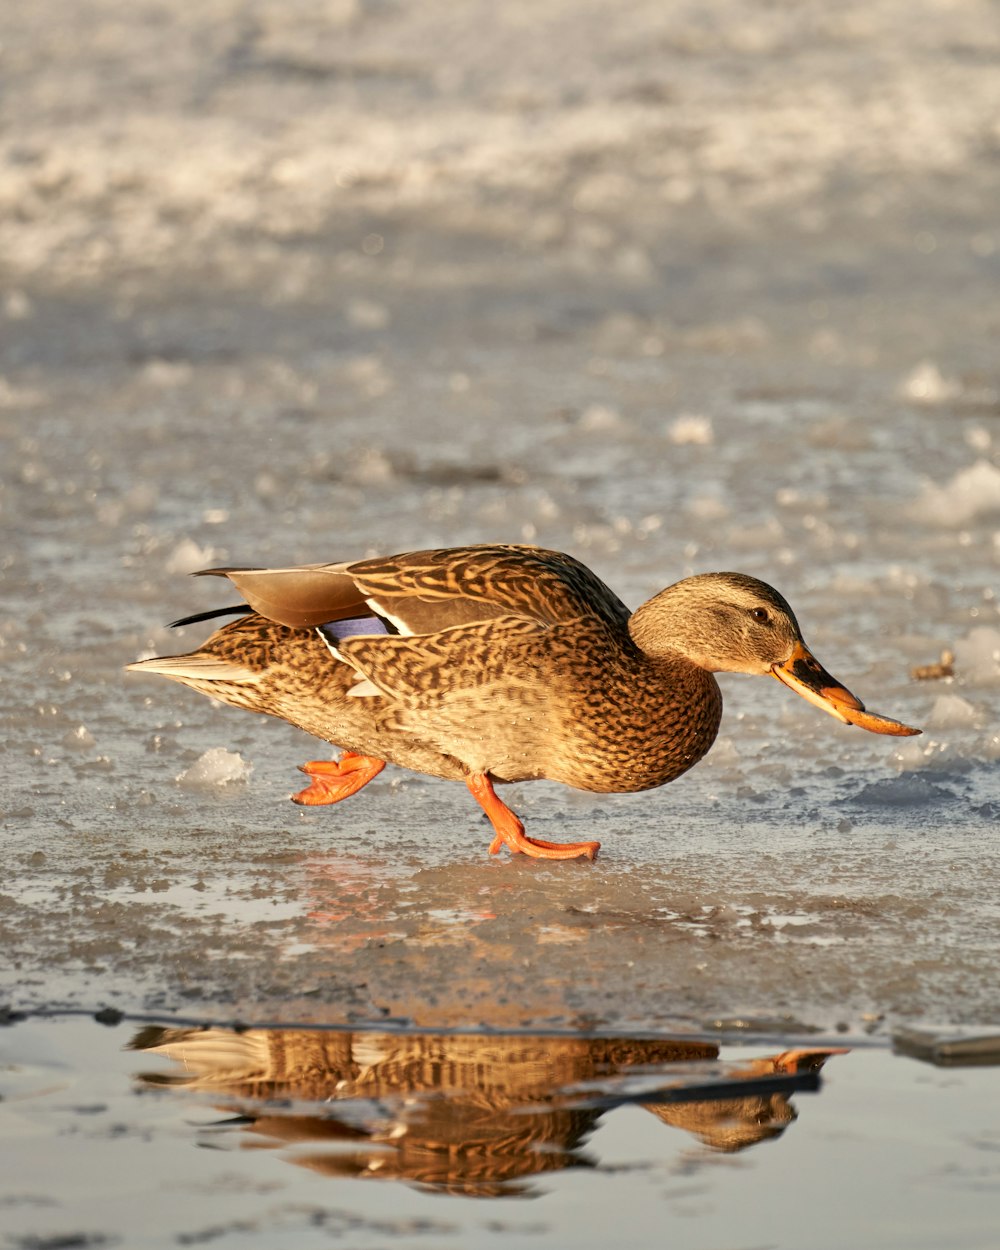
(499, 663)
(640, 724)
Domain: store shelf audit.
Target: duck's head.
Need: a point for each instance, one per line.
(728, 622)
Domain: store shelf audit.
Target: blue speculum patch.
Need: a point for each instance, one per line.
(337, 631)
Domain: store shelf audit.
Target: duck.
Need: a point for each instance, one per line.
(498, 663)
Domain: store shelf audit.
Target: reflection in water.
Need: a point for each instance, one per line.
(467, 1113)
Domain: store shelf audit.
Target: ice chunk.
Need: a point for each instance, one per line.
(80, 739)
(950, 711)
(599, 417)
(928, 385)
(977, 656)
(373, 467)
(217, 767)
(167, 373)
(724, 756)
(909, 789)
(707, 507)
(188, 557)
(368, 314)
(979, 438)
(912, 754)
(972, 492)
(690, 428)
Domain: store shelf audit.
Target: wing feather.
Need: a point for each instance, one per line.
(438, 589)
(421, 670)
(424, 592)
(312, 594)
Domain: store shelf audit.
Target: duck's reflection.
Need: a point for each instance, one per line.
(469, 1114)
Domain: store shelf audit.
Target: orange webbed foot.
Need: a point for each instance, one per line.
(334, 780)
(510, 831)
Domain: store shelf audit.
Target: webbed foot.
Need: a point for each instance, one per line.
(510, 830)
(334, 780)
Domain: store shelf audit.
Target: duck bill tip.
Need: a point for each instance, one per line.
(804, 674)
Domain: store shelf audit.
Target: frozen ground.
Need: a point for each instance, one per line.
(673, 287)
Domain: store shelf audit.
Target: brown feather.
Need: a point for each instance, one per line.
(313, 594)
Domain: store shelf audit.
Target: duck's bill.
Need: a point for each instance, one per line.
(804, 674)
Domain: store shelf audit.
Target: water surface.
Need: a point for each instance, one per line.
(157, 1135)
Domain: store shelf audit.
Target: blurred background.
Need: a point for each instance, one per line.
(306, 279)
(672, 286)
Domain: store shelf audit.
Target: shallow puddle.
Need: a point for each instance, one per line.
(149, 1135)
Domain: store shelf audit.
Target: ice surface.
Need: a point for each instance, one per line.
(217, 767)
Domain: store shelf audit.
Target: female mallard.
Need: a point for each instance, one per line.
(499, 663)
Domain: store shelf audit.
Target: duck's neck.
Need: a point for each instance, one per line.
(659, 636)
(677, 624)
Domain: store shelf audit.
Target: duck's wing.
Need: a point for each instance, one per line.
(309, 594)
(425, 591)
(422, 592)
(423, 671)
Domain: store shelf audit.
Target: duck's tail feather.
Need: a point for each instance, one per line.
(197, 668)
(210, 615)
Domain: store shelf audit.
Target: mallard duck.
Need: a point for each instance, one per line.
(488, 664)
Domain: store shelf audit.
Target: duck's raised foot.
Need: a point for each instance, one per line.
(333, 780)
(510, 831)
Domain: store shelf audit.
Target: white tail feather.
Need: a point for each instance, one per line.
(197, 668)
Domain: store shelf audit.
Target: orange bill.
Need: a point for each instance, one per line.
(804, 674)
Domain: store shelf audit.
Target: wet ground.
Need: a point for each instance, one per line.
(677, 288)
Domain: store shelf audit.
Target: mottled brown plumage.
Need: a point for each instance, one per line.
(500, 663)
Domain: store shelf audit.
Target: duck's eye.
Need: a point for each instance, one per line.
(761, 614)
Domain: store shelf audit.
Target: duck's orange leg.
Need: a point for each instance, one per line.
(510, 831)
(333, 780)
